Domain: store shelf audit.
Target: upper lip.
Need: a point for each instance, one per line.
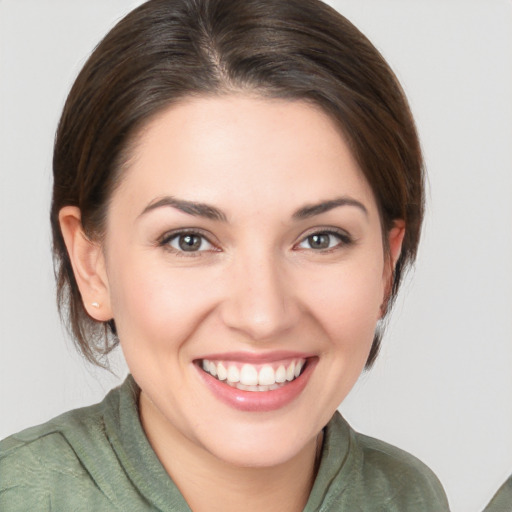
(256, 358)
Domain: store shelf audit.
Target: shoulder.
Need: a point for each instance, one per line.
(502, 500)
(41, 466)
(47, 441)
(374, 475)
(400, 475)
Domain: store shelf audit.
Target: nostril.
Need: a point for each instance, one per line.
(258, 320)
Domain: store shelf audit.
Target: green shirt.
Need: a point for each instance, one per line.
(98, 458)
(502, 500)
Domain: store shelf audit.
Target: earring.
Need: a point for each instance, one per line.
(95, 304)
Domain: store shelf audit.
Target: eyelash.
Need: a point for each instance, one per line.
(344, 240)
(165, 242)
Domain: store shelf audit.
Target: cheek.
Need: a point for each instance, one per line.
(155, 306)
(346, 302)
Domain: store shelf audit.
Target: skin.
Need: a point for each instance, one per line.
(255, 286)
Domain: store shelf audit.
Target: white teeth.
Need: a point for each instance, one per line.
(249, 375)
(298, 368)
(290, 372)
(233, 374)
(222, 373)
(267, 376)
(281, 374)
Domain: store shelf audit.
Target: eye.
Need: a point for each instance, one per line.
(187, 242)
(324, 240)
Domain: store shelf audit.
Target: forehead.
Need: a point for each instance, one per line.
(236, 149)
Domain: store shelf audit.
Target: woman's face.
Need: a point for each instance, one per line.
(244, 240)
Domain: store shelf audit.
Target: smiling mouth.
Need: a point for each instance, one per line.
(249, 377)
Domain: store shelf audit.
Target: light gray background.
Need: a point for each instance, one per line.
(442, 388)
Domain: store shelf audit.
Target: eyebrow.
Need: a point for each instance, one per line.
(316, 209)
(210, 212)
(190, 207)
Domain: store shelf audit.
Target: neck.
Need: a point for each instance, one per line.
(210, 484)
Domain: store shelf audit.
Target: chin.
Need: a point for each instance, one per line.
(262, 442)
(267, 454)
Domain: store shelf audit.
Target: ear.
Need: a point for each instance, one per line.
(395, 238)
(88, 264)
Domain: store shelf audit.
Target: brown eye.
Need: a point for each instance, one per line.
(319, 241)
(324, 240)
(187, 242)
(190, 242)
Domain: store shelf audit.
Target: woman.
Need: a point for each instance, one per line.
(238, 190)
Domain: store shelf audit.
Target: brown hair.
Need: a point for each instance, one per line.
(166, 50)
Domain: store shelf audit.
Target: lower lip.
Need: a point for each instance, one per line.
(259, 401)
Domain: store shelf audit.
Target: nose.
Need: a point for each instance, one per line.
(260, 302)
